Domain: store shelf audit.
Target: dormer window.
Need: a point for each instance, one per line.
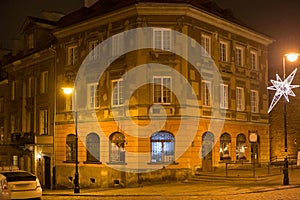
(30, 41)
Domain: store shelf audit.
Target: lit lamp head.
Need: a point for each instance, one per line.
(292, 57)
(67, 90)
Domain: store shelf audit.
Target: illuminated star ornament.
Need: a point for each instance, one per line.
(282, 88)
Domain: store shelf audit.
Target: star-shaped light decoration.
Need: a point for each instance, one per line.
(282, 88)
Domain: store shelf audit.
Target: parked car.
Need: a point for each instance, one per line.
(19, 184)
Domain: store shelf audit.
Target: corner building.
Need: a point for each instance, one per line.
(124, 127)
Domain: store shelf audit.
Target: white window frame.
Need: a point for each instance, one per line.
(93, 95)
(223, 48)
(162, 39)
(162, 89)
(44, 82)
(254, 101)
(44, 122)
(94, 52)
(253, 60)
(206, 93)
(72, 55)
(117, 44)
(239, 56)
(117, 92)
(240, 99)
(206, 45)
(224, 96)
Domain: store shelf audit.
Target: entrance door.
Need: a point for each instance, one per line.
(254, 152)
(47, 172)
(207, 145)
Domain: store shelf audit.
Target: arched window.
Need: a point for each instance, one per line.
(225, 141)
(116, 147)
(162, 147)
(240, 147)
(71, 148)
(92, 148)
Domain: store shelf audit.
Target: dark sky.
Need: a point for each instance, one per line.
(279, 19)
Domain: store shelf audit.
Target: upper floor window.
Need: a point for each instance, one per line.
(1, 104)
(92, 147)
(224, 96)
(162, 39)
(162, 89)
(206, 45)
(94, 52)
(206, 89)
(254, 101)
(44, 82)
(162, 147)
(253, 60)
(14, 90)
(117, 44)
(30, 87)
(30, 41)
(93, 95)
(72, 55)
(117, 92)
(43, 122)
(223, 51)
(240, 99)
(71, 148)
(239, 56)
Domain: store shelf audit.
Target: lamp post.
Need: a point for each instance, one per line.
(69, 90)
(292, 57)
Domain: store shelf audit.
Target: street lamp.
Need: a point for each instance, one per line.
(70, 90)
(292, 57)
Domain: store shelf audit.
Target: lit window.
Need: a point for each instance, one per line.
(206, 90)
(240, 99)
(162, 39)
(162, 147)
(117, 92)
(254, 101)
(253, 60)
(206, 45)
(44, 82)
(93, 95)
(44, 122)
(241, 147)
(92, 148)
(239, 56)
(162, 89)
(225, 141)
(223, 51)
(71, 148)
(117, 148)
(224, 96)
(72, 54)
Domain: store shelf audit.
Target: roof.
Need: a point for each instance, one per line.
(105, 6)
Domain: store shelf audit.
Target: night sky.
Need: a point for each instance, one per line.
(276, 18)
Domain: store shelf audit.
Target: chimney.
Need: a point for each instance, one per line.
(89, 3)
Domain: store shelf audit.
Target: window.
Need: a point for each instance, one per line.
(71, 148)
(94, 52)
(206, 45)
(93, 95)
(1, 104)
(253, 60)
(225, 141)
(240, 99)
(162, 89)
(162, 39)
(44, 82)
(14, 123)
(30, 41)
(224, 96)
(254, 101)
(240, 147)
(44, 122)
(117, 148)
(14, 90)
(206, 93)
(117, 44)
(30, 87)
(117, 92)
(92, 148)
(162, 147)
(72, 55)
(223, 51)
(239, 56)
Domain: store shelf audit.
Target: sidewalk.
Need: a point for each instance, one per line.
(218, 186)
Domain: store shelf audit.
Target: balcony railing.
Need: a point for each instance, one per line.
(20, 139)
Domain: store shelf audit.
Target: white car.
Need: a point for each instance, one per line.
(19, 184)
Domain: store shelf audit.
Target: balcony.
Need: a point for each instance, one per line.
(20, 139)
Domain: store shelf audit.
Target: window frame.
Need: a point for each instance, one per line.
(117, 42)
(206, 44)
(239, 56)
(163, 156)
(224, 96)
(93, 51)
(240, 102)
(71, 151)
(225, 143)
(241, 144)
(93, 97)
(254, 101)
(161, 90)
(224, 51)
(117, 87)
(206, 93)
(92, 148)
(253, 57)
(162, 42)
(117, 148)
(72, 54)
(44, 122)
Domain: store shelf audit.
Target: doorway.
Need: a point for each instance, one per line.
(47, 172)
